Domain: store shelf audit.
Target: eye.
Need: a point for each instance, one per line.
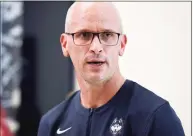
(84, 34)
(107, 34)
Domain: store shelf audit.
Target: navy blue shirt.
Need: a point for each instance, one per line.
(133, 111)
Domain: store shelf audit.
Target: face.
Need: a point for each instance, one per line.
(94, 62)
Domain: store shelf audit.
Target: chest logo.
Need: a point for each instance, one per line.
(59, 131)
(116, 126)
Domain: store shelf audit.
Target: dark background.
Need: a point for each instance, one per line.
(47, 75)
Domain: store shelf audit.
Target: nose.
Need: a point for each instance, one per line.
(96, 46)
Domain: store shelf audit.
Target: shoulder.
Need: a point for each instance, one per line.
(165, 122)
(144, 99)
(50, 118)
(151, 112)
(57, 110)
(142, 104)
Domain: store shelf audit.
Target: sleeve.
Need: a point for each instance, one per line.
(166, 122)
(43, 129)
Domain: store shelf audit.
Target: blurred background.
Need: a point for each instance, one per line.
(35, 76)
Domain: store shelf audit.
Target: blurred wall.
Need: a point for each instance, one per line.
(44, 21)
(11, 27)
(46, 76)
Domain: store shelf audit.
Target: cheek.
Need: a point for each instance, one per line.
(113, 56)
(77, 56)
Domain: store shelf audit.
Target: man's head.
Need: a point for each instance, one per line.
(93, 40)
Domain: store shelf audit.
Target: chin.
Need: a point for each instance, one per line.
(96, 79)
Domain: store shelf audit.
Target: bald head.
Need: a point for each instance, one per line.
(94, 16)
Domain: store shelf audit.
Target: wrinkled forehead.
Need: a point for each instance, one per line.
(93, 17)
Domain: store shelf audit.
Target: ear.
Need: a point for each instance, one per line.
(123, 45)
(63, 42)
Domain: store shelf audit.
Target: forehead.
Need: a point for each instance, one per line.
(94, 18)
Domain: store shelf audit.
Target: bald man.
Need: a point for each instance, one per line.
(107, 104)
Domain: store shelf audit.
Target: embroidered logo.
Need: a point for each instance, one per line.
(116, 126)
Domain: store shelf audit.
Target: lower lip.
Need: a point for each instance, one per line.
(98, 65)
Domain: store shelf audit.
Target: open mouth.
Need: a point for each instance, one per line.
(96, 63)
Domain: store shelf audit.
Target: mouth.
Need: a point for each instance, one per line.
(96, 63)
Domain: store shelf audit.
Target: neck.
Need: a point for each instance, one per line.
(93, 96)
